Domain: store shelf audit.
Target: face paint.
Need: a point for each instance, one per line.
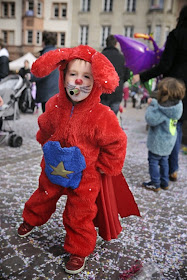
(74, 91)
(78, 80)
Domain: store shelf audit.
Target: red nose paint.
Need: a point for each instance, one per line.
(78, 81)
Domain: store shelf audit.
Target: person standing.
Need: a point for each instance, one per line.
(4, 60)
(24, 70)
(47, 86)
(117, 59)
(173, 63)
(162, 116)
(84, 150)
(125, 93)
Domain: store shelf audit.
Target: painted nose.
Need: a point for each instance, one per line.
(78, 81)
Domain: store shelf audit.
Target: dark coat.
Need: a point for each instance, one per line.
(23, 72)
(118, 61)
(48, 86)
(4, 66)
(173, 62)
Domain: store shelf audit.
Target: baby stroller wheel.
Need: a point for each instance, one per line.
(23, 106)
(15, 141)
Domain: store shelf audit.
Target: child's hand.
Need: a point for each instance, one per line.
(1, 101)
(149, 100)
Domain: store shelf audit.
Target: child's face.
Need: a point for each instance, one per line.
(78, 80)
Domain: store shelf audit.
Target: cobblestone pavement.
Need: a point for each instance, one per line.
(158, 237)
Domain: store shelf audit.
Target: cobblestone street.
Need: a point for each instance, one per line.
(159, 236)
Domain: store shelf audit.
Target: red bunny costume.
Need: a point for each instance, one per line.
(95, 130)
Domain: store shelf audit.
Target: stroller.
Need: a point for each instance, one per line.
(11, 89)
(26, 101)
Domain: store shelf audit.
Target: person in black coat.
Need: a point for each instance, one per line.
(48, 86)
(4, 61)
(117, 59)
(173, 63)
(24, 70)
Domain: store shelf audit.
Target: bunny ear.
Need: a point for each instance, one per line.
(49, 61)
(104, 73)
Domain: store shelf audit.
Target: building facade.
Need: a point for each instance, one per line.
(82, 21)
(23, 21)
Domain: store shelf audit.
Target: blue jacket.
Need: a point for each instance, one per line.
(162, 123)
(48, 86)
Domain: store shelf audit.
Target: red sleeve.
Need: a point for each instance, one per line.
(45, 129)
(113, 142)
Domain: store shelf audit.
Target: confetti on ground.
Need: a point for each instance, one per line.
(158, 237)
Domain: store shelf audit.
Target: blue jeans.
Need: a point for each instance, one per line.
(174, 156)
(158, 169)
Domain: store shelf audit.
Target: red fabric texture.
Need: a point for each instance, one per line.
(105, 77)
(114, 198)
(95, 130)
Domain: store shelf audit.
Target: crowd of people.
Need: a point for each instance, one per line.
(83, 144)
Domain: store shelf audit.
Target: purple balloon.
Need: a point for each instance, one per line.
(138, 56)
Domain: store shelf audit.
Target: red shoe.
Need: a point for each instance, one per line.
(24, 229)
(75, 264)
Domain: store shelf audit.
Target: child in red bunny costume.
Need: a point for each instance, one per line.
(90, 146)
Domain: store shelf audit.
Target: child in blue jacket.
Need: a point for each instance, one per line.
(162, 116)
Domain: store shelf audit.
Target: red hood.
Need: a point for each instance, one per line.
(105, 77)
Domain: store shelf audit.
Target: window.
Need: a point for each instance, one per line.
(149, 29)
(30, 5)
(30, 8)
(149, 32)
(29, 36)
(55, 10)
(12, 9)
(8, 9)
(85, 5)
(39, 9)
(59, 10)
(129, 31)
(38, 37)
(84, 35)
(63, 10)
(11, 37)
(5, 36)
(105, 33)
(108, 5)
(5, 9)
(167, 30)
(62, 39)
(156, 4)
(169, 5)
(157, 34)
(131, 5)
(8, 37)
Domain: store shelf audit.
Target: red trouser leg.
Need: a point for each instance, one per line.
(78, 218)
(42, 204)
